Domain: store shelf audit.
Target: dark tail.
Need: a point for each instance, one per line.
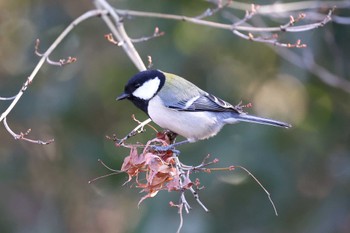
(261, 120)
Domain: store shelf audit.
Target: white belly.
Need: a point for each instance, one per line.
(191, 125)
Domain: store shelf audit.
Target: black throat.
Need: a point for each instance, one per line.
(140, 103)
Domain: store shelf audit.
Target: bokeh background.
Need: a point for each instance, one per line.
(45, 188)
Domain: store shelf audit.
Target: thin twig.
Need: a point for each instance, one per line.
(7, 98)
(150, 63)
(271, 40)
(136, 130)
(196, 197)
(211, 11)
(61, 62)
(181, 219)
(230, 27)
(156, 33)
(71, 26)
(308, 64)
(139, 122)
(22, 136)
(114, 172)
(257, 181)
(182, 190)
(289, 7)
(180, 212)
(203, 167)
(117, 28)
(184, 172)
(293, 20)
(248, 15)
(111, 169)
(101, 177)
(184, 202)
(279, 10)
(236, 27)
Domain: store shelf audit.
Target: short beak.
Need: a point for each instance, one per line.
(123, 96)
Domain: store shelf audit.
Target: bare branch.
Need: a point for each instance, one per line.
(248, 15)
(271, 40)
(211, 11)
(61, 62)
(181, 218)
(318, 16)
(288, 27)
(138, 129)
(289, 7)
(113, 172)
(279, 10)
(150, 63)
(305, 63)
(196, 197)
(237, 27)
(156, 34)
(180, 212)
(309, 64)
(36, 48)
(139, 122)
(23, 136)
(292, 21)
(265, 190)
(220, 25)
(44, 56)
(117, 28)
(164, 171)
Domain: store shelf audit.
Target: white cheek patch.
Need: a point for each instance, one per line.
(148, 89)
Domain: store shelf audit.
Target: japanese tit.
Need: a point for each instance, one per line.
(178, 105)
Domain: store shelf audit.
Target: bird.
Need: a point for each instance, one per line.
(176, 104)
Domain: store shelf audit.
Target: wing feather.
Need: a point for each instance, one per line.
(183, 95)
(206, 102)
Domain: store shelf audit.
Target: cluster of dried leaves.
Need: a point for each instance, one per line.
(153, 170)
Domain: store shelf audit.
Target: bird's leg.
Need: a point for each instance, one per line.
(170, 147)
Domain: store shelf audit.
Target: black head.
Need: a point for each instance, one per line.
(142, 87)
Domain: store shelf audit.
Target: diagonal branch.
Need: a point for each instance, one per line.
(83, 17)
(23, 136)
(117, 28)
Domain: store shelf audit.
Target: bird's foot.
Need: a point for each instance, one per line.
(171, 147)
(165, 149)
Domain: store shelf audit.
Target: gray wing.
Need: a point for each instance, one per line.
(204, 102)
(183, 95)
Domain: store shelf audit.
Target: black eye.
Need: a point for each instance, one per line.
(137, 85)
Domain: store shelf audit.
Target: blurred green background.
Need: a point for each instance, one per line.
(45, 188)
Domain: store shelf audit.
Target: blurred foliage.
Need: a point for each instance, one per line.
(45, 189)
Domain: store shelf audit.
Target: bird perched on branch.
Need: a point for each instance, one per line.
(178, 105)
